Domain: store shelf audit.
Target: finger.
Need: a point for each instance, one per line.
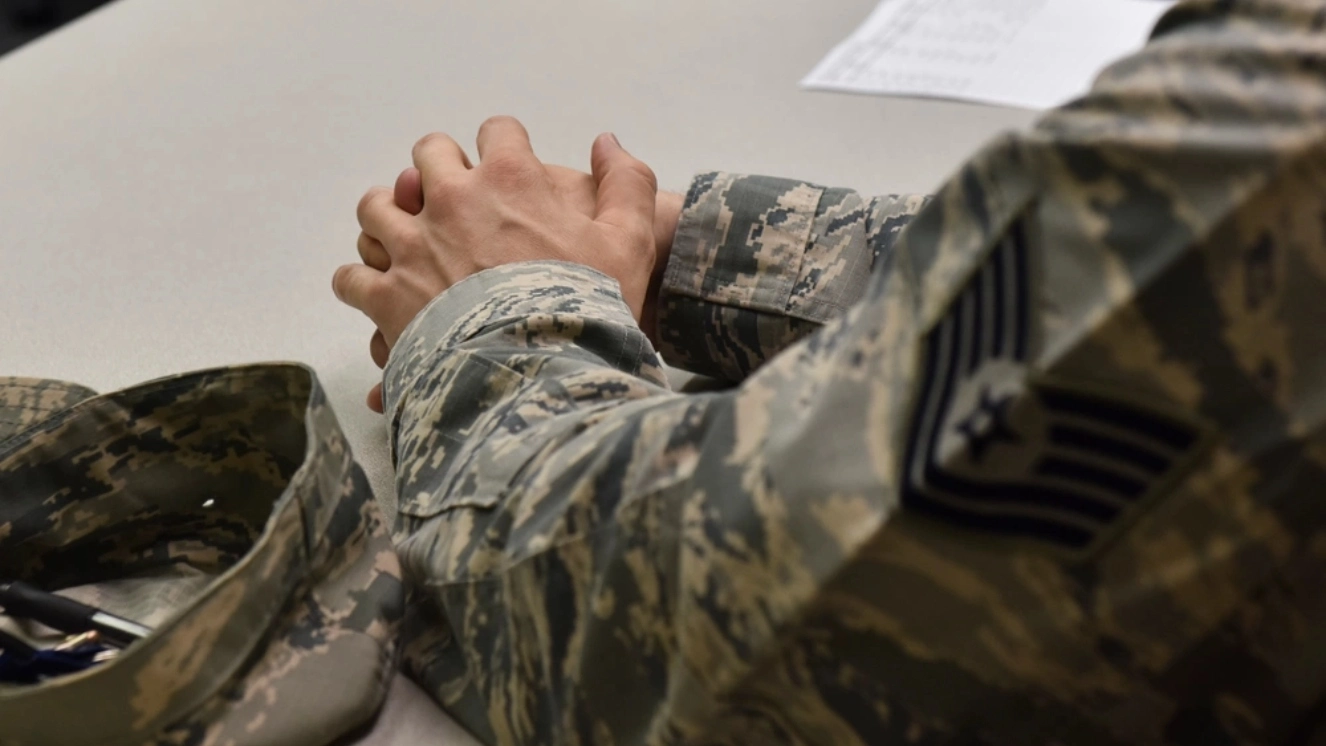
(503, 136)
(378, 350)
(359, 286)
(375, 399)
(436, 155)
(373, 253)
(381, 218)
(410, 191)
(626, 187)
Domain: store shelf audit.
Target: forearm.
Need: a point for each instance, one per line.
(759, 263)
(528, 415)
(566, 519)
(500, 351)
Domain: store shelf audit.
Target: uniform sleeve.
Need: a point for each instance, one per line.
(595, 557)
(760, 262)
(1052, 478)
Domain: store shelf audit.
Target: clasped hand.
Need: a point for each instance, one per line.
(448, 219)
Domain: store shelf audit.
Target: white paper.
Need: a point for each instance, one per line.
(1029, 53)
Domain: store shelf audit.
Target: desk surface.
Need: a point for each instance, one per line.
(178, 179)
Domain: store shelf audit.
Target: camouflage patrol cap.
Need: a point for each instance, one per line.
(237, 485)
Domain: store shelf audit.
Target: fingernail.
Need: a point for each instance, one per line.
(615, 141)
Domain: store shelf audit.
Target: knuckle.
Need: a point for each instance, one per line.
(409, 237)
(366, 201)
(339, 280)
(646, 173)
(357, 288)
(498, 119)
(444, 191)
(430, 140)
(372, 294)
(375, 289)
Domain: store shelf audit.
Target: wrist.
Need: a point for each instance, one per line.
(667, 213)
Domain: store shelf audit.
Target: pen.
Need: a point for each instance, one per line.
(67, 615)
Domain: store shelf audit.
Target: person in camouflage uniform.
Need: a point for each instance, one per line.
(1034, 461)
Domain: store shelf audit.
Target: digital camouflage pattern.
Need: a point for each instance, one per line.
(1053, 476)
(26, 401)
(240, 478)
(758, 263)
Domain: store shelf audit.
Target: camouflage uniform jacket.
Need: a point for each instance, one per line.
(1041, 467)
(223, 509)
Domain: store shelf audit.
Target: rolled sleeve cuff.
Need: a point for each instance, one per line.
(741, 239)
(757, 263)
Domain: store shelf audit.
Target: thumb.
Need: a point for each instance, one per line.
(626, 188)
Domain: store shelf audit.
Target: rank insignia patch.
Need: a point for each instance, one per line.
(994, 449)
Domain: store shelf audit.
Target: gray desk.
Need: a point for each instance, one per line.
(178, 179)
